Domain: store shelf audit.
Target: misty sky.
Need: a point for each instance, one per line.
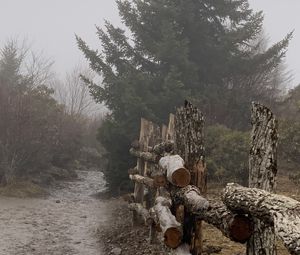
(50, 25)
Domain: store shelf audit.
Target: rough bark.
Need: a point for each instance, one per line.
(262, 173)
(147, 156)
(132, 171)
(171, 128)
(236, 227)
(142, 180)
(162, 148)
(191, 198)
(281, 212)
(177, 174)
(171, 229)
(189, 124)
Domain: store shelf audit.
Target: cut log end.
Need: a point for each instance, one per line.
(173, 237)
(241, 228)
(181, 177)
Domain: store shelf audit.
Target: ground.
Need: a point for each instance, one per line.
(73, 221)
(64, 223)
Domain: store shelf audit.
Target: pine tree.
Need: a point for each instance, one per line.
(207, 51)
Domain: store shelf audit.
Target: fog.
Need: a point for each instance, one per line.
(51, 25)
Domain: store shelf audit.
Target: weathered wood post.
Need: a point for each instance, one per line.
(139, 188)
(262, 173)
(189, 123)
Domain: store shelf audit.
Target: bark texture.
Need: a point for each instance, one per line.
(262, 173)
(283, 213)
(189, 123)
(142, 180)
(236, 227)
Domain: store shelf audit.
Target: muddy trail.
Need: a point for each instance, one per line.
(64, 223)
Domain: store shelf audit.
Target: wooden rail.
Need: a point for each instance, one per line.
(171, 168)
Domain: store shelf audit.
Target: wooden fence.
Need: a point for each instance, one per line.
(171, 184)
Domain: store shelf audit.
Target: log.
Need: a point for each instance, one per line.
(177, 174)
(171, 229)
(164, 147)
(142, 212)
(142, 180)
(189, 123)
(262, 173)
(276, 210)
(147, 156)
(191, 198)
(237, 227)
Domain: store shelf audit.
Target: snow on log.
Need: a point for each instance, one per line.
(142, 180)
(171, 229)
(142, 212)
(280, 211)
(147, 156)
(177, 174)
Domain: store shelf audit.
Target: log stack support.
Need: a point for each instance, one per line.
(171, 184)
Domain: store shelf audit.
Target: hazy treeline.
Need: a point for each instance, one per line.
(39, 132)
(213, 53)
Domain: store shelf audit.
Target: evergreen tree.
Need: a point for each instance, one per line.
(206, 51)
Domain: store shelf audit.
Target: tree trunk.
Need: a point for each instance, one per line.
(262, 173)
(189, 123)
(283, 213)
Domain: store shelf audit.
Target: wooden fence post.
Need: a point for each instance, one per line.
(189, 123)
(262, 173)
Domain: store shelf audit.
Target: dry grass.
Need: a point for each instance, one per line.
(22, 189)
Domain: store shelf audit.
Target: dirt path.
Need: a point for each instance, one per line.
(65, 223)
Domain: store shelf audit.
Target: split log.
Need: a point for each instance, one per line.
(279, 211)
(177, 174)
(142, 180)
(147, 156)
(262, 173)
(171, 229)
(142, 212)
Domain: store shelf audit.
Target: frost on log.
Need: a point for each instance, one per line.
(262, 173)
(177, 174)
(171, 228)
(274, 210)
